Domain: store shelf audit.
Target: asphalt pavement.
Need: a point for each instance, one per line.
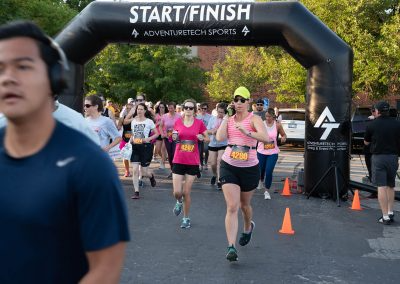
(331, 244)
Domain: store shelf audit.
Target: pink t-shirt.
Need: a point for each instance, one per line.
(187, 151)
(235, 137)
(168, 122)
(271, 147)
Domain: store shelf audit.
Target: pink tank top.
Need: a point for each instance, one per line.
(240, 156)
(272, 147)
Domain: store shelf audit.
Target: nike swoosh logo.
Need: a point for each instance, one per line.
(63, 163)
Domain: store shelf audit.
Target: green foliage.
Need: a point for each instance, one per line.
(370, 27)
(162, 72)
(50, 15)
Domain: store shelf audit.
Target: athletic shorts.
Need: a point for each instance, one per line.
(384, 168)
(142, 153)
(159, 138)
(216, 149)
(181, 169)
(245, 177)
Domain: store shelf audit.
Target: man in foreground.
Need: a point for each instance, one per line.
(62, 213)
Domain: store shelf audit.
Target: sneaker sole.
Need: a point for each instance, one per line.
(232, 256)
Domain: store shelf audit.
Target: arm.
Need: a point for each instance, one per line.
(105, 265)
(129, 117)
(281, 132)
(113, 134)
(152, 137)
(261, 131)
(222, 132)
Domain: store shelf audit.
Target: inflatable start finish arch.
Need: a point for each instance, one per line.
(327, 58)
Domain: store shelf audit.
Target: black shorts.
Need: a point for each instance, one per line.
(142, 153)
(216, 149)
(181, 169)
(384, 169)
(245, 177)
(159, 138)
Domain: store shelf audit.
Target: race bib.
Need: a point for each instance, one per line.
(187, 146)
(269, 145)
(240, 153)
(169, 133)
(137, 140)
(128, 134)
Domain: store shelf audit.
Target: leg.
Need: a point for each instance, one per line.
(177, 182)
(383, 199)
(219, 159)
(213, 162)
(187, 187)
(390, 197)
(247, 210)
(126, 166)
(269, 169)
(135, 176)
(262, 160)
(205, 154)
(232, 199)
(163, 154)
(201, 152)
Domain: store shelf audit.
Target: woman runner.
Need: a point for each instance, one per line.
(239, 168)
(188, 131)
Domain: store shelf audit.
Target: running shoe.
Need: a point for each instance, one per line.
(267, 196)
(213, 180)
(198, 174)
(232, 254)
(141, 183)
(135, 195)
(177, 208)
(127, 174)
(384, 221)
(152, 181)
(260, 185)
(246, 238)
(162, 166)
(219, 186)
(185, 223)
(170, 175)
(391, 216)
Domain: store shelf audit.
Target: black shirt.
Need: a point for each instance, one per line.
(384, 135)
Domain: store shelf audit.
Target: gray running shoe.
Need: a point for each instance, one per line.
(185, 223)
(177, 208)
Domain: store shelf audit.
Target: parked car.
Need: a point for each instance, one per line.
(293, 122)
(359, 122)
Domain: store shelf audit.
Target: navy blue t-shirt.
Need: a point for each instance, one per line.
(56, 205)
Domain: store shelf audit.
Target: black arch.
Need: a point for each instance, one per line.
(290, 25)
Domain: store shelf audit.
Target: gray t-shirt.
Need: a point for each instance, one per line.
(105, 128)
(260, 114)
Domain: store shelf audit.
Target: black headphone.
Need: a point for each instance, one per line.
(56, 71)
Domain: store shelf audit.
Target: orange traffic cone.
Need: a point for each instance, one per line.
(287, 224)
(286, 189)
(356, 201)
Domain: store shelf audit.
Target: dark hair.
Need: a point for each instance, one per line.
(147, 113)
(158, 107)
(172, 103)
(271, 112)
(95, 100)
(223, 106)
(204, 104)
(190, 101)
(29, 29)
(141, 94)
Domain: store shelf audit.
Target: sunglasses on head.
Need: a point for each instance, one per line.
(87, 105)
(188, 108)
(242, 100)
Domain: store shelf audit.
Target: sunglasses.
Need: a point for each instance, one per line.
(259, 105)
(204, 108)
(87, 105)
(139, 100)
(188, 108)
(241, 100)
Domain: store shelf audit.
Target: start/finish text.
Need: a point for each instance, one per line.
(191, 13)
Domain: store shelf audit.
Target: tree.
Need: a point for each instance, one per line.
(162, 72)
(370, 27)
(50, 15)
